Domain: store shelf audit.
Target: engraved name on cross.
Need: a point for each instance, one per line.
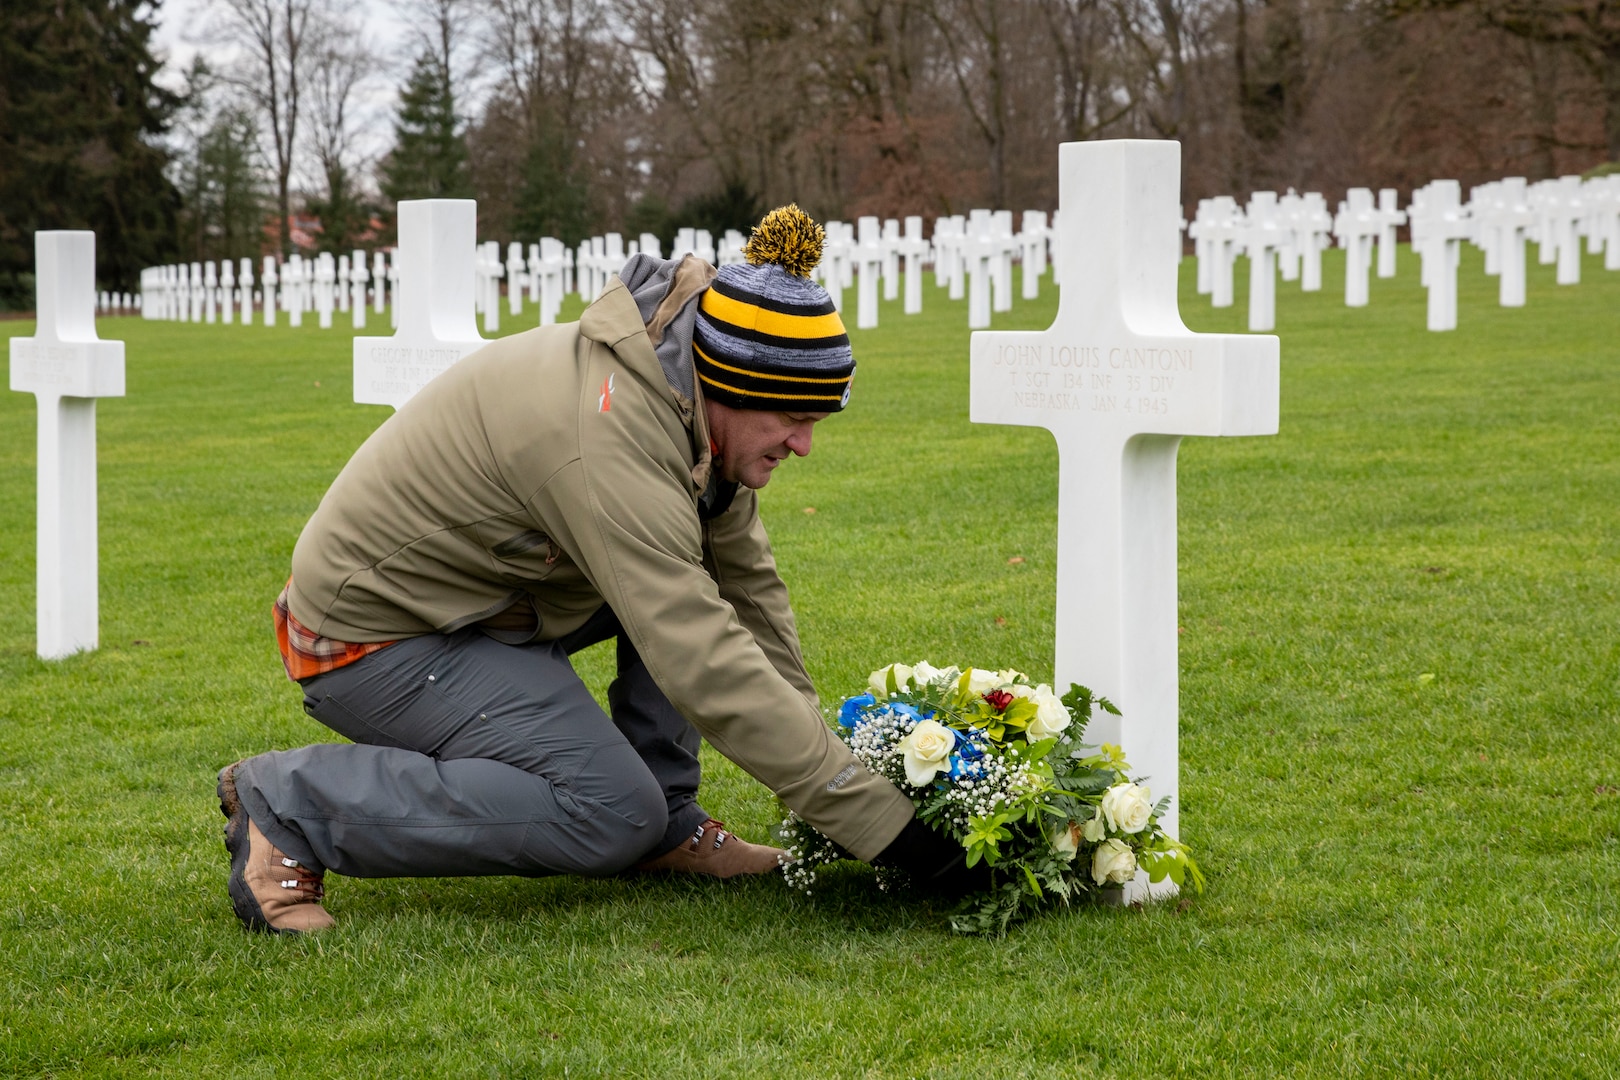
(66, 367)
(1119, 380)
(434, 301)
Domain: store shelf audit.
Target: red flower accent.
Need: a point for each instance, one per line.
(999, 700)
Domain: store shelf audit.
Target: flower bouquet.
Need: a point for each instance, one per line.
(997, 764)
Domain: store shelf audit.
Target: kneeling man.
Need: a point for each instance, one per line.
(564, 486)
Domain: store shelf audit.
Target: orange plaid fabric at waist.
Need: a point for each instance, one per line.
(305, 653)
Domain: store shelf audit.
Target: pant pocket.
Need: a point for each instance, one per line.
(424, 722)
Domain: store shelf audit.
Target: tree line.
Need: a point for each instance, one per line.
(570, 117)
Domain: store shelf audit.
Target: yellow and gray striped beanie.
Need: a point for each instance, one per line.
(767, 337)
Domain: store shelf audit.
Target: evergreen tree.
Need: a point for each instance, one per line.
(429, 158)
(553, 201)
(225, 201)
(79, 114)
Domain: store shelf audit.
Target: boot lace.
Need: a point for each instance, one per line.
(720, 837)
(304, 880)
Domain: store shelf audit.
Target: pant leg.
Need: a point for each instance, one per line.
(476, 758)
(660, 735)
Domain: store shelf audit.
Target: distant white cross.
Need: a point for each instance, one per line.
(434, 300)
(1265, 236)
(913, 249)
(1357, 225)
(357, 286)
(66, 367)
(1439, 226)
(869, 255)
(1390, 217)
(1119, 380)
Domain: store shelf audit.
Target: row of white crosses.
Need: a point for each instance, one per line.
(1289, 234)
(971, 256)
(118, 303)
(202, 292)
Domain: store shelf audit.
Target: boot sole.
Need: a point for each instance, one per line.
(229, 802)
(242, 902)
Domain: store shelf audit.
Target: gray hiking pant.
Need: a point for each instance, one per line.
(474, 757)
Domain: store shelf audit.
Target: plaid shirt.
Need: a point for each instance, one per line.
(304, 653)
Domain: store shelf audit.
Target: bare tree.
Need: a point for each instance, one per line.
(271, 38)
(974, 33)
(339, 65)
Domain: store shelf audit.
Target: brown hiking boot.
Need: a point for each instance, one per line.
(714, 851)
(269, 891)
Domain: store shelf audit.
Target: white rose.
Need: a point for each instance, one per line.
(878, 681)
(1067, 843)
(981, 682)
(1020, 690)
(1094, 829)
(1113, 861)
(1127, 807)
(925, 673)
(1008, 676)
(1050, 715)
(927, 751)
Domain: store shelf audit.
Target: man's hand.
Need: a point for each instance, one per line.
(938, 864)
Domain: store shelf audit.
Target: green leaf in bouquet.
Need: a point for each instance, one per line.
(892, 683)
(1039, 751)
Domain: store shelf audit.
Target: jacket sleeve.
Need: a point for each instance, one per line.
(624, 511)
(742, 565)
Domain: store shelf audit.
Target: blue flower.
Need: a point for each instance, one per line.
(849, 713)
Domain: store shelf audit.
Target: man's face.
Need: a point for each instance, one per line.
(752, 443)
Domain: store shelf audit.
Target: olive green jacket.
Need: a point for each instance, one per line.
(556, 470)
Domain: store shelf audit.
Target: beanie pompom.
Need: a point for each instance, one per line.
(788, 237)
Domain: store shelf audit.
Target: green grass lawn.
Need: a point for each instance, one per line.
(1400, 648)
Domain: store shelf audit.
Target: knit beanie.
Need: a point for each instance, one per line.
(767, 337)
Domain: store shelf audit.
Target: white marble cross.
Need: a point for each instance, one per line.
(1439, 226)
(1356, 227)
(515, 278)
(434, 299)
(868, 254)
(1566, 210)
(999, 234)
(978, 260)
(244, 290)
(66, 367)
(1312, 230)
(1223, 233)
(356, 283)
(227, 292)
(1033, 241)
(293, 286)
(1119, 380)
(1508, 218)
(379, 282)
(553, 278)
(1264, 237)
(269, 280)
(891, 259)
(487, 264)
(913, 249)
(210, 291)
(325, 285)
(1390, 217)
